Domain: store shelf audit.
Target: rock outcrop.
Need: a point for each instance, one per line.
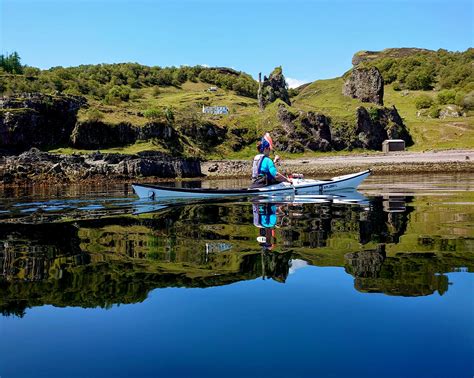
(305, 130)
(273, 87)
(37, 166)
(206, 134)
(97, 134)
(375, 125)
(37, 120)
(365, 84)
(315, 132)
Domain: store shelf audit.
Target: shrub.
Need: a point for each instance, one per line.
(94, 115)
(420, 78)
(434, 111)
(468, 101)
(397, 87)
(117, 93)
(446, 97)
(156, 91)
(169, 115)
(423, 102)
(153, 114)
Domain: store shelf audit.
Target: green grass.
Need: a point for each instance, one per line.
(322, 96)
(429, 133)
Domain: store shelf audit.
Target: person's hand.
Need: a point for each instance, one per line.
(276, 160)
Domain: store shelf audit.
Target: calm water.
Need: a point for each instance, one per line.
(375, 283)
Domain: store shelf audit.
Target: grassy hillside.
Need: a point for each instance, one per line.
(134, 94)
(428, 133)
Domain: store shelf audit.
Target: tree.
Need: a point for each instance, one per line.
(11, 63)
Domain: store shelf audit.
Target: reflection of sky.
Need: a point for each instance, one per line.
(251, 329)
(297, 264)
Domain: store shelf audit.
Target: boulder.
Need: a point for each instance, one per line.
(365, 84)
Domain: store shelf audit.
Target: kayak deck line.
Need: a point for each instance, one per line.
(297, 186)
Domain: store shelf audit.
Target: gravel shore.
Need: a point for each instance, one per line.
(383, 163)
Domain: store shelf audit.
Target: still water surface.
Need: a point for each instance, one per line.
(375, 283)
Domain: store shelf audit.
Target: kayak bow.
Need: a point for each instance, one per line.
(298, 186)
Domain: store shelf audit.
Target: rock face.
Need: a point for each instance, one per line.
(305, 130)
(35, 165)
(314, 131)
(377, 124)
(97, 134)
(37, 120)
(365, 84)
(206, 134)
(272, 88)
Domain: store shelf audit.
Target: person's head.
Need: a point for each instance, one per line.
(265, 145)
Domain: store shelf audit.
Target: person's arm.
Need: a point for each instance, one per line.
(281, 178)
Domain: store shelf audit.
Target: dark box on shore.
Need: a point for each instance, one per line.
(390, 145)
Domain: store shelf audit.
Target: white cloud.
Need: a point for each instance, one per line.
(295, 83)
(205, 65)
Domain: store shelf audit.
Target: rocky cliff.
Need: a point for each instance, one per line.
(314, 131)
(302, 131)
(37, 120)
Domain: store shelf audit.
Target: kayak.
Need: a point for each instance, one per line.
(298, 186)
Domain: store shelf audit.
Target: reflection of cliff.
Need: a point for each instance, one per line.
(386, 221)
(111, 260)
(406, 274)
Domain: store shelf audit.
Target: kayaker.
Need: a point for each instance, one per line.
(264, 171)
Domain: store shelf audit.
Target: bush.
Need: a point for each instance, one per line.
(468, 101)
(153, 114)
(94, 115)
(434, 111)
(169, 115)
(397, 87)
(446, 97)
(420, 78)
(117, 93)
(423, 102)
(156, 91)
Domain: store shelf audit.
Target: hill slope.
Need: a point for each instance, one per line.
(429, 89)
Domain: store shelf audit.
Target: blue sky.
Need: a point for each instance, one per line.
(310, 39)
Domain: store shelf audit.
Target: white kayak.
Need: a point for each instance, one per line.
(298, 186)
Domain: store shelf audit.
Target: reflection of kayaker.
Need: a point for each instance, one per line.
(265, 218)
(264, 171)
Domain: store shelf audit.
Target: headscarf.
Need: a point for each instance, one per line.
(265, 142)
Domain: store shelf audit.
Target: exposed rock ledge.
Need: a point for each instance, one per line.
(37, 166)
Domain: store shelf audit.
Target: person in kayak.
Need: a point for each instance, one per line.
(264, 171)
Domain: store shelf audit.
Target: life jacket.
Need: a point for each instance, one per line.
(256, 167)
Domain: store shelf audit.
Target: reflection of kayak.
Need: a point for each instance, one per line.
(299, 186)
(343, 196)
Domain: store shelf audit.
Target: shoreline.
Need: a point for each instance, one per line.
(395, 163)
(380, 164)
